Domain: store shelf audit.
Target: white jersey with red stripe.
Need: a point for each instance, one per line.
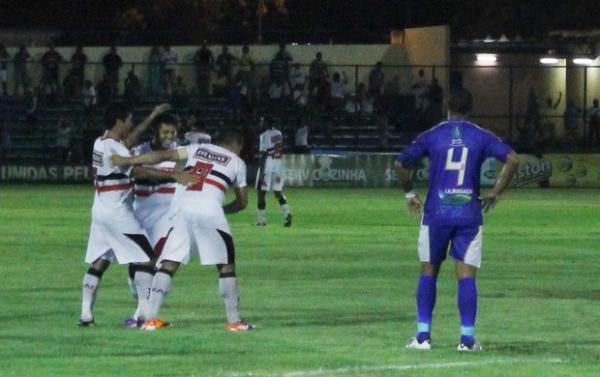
(153, 197)
(271, 143)
(218, 169)
(113, 183)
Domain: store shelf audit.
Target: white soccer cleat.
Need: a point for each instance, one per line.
(413, 343)
(475, 348)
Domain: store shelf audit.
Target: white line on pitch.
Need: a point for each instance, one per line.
(381, 368)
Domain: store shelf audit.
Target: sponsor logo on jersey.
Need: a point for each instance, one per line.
(455, 197)
(98, 158)
(207, 155)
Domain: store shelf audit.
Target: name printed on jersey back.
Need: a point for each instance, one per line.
(207, 155)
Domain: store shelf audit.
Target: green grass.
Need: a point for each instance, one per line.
(331, 296)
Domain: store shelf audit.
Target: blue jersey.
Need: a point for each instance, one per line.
(456, 150)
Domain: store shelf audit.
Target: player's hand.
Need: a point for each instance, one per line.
(488, 202)
(117, 160)
(415, 206)
(186, 179)
(160, 109)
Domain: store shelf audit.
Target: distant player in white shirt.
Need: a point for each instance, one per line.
(269, 177)
(115, 233)
(152, 198)
(200, 224)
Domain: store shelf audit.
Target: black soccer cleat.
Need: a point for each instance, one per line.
(83, 323)
(288, 221)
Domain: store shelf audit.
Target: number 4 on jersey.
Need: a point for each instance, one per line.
(459, 166)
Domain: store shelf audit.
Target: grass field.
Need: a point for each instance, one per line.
(331, 296)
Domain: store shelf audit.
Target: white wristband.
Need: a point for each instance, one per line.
(409, 195)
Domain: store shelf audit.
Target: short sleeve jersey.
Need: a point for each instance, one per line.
(113, 183)
(218, 168)
(146, 188)
(456, 151)
(271, 143)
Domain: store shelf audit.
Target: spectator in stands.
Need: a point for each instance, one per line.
(548, 127)
(391, 88)
(297, 77)
(21, 72)
(154, 72)
(283, 54)
(219, 86)
(71, 85)
(4, 60)
(5, 142)
(78, 61)
(112, 64)
(169, 68)
(31, 109)
(246, 66)
(594, 124)
(50, 72)
(301, 139)
(317, 74)
(89, 100)
(225, 63)
(419, 91)
(278, 71)
(133, 89)
(376, 80)
(279, 92)
(106, 91)
(571, 121)
(63, 139)
(435, 99)
(204, 63)
(338, 91)
(299, 99)
(180, 96)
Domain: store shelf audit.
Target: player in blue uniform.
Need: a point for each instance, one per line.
(452, 216)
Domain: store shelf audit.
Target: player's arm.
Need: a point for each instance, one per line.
(183, 178)
(508, 172)
(134, 136)
(413, 201)
(150, 158)
(239, 203)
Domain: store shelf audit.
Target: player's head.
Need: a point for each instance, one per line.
(231, 139)
(118, 118)
(165, 131)
(460, 102)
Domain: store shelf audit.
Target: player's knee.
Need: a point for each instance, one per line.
(169, 267)
(226, 270)
(100, 265)
(280, 197)
(429, 269)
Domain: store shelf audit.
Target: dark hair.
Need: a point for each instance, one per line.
(460, 101)
(116, 111)
(165, 118)
(230, 136)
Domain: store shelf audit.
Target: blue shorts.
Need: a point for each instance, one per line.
(464, 241)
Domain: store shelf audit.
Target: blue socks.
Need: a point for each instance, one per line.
(467, 307)
(426, 294)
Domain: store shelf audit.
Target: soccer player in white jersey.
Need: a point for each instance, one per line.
(152, 198)
(269, 177)
(200, 224)
(115, 233)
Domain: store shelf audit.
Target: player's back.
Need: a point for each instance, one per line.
(456, 151)
(218, 169)
(113, 183)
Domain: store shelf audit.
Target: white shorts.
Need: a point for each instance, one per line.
(117, 237)
(272, 182)
(206, 233)
(155, 221)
